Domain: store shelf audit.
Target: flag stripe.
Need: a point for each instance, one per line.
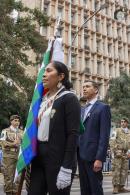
(28, 148)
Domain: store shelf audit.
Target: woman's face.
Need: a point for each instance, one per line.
(51, 77)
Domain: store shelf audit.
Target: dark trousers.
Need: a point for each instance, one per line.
(44, 175)
(90, 181)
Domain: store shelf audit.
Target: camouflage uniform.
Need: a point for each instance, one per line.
(120, 143)
(10, 156)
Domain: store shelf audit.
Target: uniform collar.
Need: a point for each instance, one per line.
(13, 128)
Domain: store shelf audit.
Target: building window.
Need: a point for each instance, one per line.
(44, 31)
(110, 71)
(72, 17)
(85, 42)
(98, 46)
(85, 2)
(72, 35)
(126, 2)
(87, 66)
(109, 30)
(97, 25)
(45, 9)
(86, 24)
(73, 81)
(99, 66)
(60, 12)
(109, 49)
(96, 5)
(120, 53)
(73, 60)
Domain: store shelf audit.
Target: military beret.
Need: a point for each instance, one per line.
(12, 117)
(125, 119)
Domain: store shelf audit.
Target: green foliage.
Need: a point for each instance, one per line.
(17, 38)
(118, 97)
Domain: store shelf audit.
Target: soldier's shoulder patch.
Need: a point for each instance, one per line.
(113, 135)
(3, 135)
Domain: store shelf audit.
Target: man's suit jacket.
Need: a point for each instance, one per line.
(94, 141)
(64, 131)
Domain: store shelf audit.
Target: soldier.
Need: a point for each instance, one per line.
(120, 144)
(10, 141)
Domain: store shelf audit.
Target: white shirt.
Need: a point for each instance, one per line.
(92, 102)
(45, 113)
(43, 128)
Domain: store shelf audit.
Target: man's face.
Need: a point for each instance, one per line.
(89, 91)
(15, 123)
(124, 123)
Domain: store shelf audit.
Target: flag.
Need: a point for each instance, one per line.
(82, 128)
(28, 148)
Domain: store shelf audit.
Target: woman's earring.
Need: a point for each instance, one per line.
(59, 85)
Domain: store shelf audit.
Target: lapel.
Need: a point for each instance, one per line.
(52, 119)
(91, 110)
(54, 109)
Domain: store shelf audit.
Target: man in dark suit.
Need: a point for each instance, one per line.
(93, 142)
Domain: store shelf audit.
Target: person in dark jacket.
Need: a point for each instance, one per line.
(58, 128)
(93, 142)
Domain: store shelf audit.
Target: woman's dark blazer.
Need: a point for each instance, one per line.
(61, 148)
(64, 131)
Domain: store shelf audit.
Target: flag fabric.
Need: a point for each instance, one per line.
(28, 148)
(82, 128)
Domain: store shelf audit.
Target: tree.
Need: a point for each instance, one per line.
(17, 38)
(118, 96)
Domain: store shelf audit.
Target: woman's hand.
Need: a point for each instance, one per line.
(63, 178)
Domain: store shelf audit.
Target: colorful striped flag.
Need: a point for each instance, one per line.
(28, 148)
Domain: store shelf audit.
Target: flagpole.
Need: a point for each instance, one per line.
(103, 6)
(21, 182)
(24, 170)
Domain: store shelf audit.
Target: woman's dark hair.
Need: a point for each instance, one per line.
(62, 68)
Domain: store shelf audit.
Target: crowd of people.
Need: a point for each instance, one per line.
(61, 143)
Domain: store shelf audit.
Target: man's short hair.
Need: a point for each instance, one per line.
(95, 84)
(12, 117)
(125, 119)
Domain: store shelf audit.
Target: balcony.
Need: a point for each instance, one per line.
(109, 55)
(60, 1)
(87, 71)
(86, 47)
(119, 38)
(47, 2)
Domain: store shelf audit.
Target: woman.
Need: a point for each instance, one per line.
(59, 121)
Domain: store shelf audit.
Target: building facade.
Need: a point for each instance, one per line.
(102, 48)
